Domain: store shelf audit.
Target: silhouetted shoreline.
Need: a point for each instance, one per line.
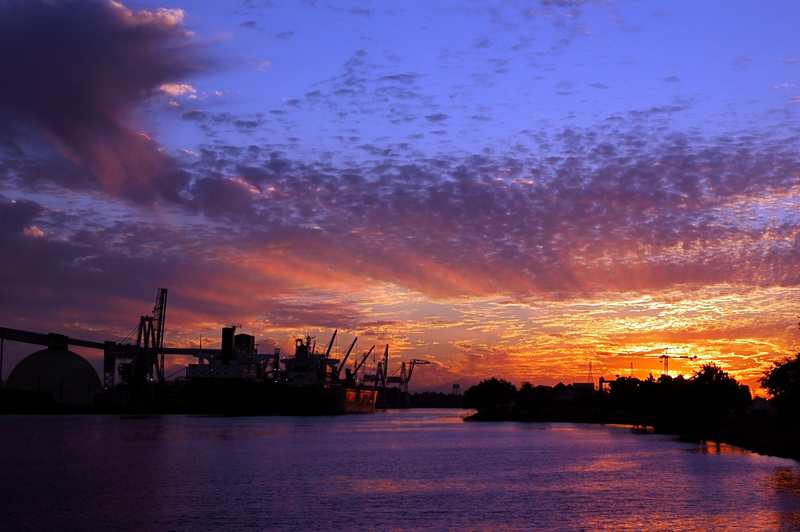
(766, 435)
(708, 406)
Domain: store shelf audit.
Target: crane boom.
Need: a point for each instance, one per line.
(411, 365)
(665, 359)
(358, 367)
(339, 369)
(385, 366)
(330, 344)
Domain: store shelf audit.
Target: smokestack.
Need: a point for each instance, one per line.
(227, 344)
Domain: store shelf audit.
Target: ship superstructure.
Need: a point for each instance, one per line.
(238, 358)
(237, 379)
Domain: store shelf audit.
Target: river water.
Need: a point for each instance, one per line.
(395, 470)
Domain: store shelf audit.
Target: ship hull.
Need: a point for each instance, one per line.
(235, 397)
(355, 401)
(238, 397)
(311, 401)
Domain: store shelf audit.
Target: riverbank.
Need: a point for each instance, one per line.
(766, 435)
(762, 435)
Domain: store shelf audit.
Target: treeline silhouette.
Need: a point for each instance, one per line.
(709, 405)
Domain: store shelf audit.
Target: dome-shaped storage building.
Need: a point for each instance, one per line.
(69, 377)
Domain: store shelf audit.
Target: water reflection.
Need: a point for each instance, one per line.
(786, 483)
(418, 470)
(785, 479)
(710, 447)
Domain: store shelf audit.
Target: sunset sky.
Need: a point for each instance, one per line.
(505, 188)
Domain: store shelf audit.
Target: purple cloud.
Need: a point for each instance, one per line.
(73, 71)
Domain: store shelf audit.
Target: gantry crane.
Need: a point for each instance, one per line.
(405, 374)
(146, 355)
(414, 362)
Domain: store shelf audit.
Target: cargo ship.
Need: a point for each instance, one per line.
(233, 380)
(238, 379)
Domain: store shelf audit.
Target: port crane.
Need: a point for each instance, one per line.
(364, 359)
(379, 377)
(382, 378)
(147, 354)
(665, 358)
(405, 376)
(138, 363)
(339, 369)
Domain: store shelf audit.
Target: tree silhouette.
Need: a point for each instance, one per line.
(782, 381)
(530, 398)
(715, 392)
(678, 404)
(488, 393)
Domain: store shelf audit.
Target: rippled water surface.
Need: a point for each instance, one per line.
(414, 470)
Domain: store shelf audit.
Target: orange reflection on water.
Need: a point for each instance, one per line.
(786, 479)
(710, 447)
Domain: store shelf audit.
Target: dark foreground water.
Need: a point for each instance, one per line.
(415, 470)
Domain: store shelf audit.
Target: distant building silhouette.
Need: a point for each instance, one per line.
(65, 375)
